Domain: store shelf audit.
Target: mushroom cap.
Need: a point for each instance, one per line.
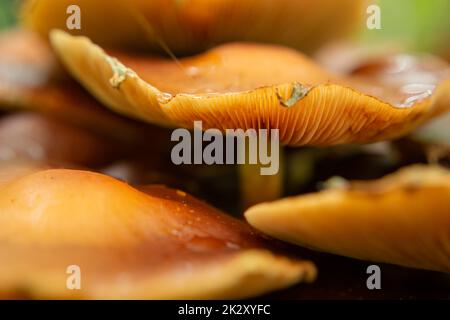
(31, 79)
(142, 244)
(403, 218)
(190, 26)
(251, 86)
(31, 136)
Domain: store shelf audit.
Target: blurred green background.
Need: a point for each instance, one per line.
(7, 12)
(419, 25)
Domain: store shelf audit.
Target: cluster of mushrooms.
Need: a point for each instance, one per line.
(85, 171)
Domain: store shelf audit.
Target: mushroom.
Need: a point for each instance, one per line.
(251, 86)
(30, 136)
(245, 86)
(190, 26)
(433, 139)
(31, 79)
(152, 243)
(403, 218)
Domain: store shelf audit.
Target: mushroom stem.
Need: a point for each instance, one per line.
(255, 187)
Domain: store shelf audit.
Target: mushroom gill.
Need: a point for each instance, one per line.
(152, 243)
(245, 86)
(403, 218)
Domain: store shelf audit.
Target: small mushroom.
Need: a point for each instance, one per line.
(152, 243)
(403, 218)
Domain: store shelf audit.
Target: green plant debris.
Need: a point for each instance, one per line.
(120, 72)
(298, 92)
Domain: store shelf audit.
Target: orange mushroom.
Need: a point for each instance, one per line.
(403, 218)
(254, 86)
(31, 79)
(29, 136)
(189, 26)
(128, 243)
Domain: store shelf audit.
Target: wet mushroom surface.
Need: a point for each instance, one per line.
(31, 79)
(149, 243)
(267, 87)
(30, 136)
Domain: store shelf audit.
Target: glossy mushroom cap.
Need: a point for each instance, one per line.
(253, 86)
(31, 79)
(33, 137)
(402, 219)
(155, 243)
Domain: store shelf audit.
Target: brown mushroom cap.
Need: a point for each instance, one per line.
(191, 26)
(31, 79)
(251, 86)
(31, 136)
(155, 243)
(403, 218)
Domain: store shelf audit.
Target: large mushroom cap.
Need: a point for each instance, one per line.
(254, 86)
(155, 243)
(403, 219)
(190, 26)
